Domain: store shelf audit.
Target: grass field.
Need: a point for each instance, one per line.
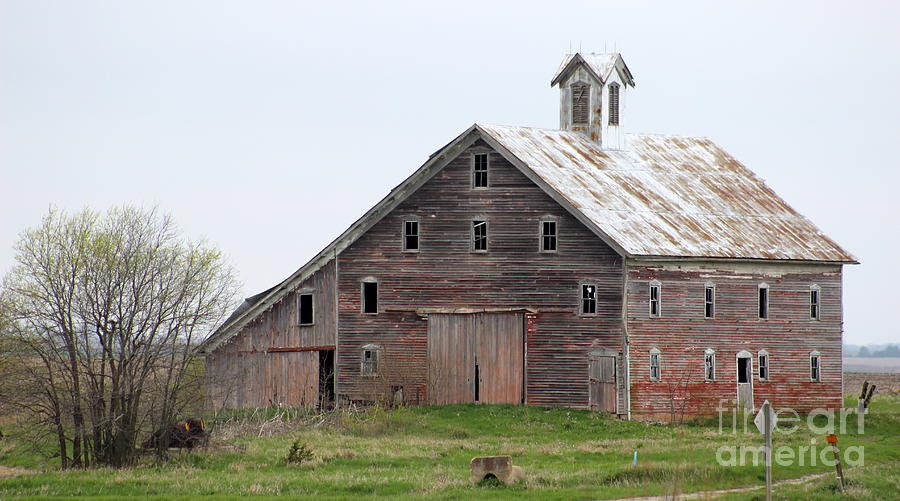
(424, 452)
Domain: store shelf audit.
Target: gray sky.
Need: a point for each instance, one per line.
(269, 127)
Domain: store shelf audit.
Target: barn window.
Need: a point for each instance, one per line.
(614, 103)
(654, 298)
(305, 309)
(480, 170)
(411, 234)
(654, 364)
(548, 235)
(709, 365)
(370, 296)
(763, 365)
(581, 103)
(369, 360)
(814, 293)
(709, 306)
(815, 369)
(479, 235)
(588, 298)
(763, 300)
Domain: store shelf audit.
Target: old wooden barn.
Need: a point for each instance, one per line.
(642, 275)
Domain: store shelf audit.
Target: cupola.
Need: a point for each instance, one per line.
(592, 90)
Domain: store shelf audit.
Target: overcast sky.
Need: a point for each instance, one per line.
(269, 127)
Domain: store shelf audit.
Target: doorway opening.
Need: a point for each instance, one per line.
(745, 380)
(326, 379)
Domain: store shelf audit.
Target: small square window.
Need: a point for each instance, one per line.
(548, 235)
(369, 360)
(479, 236)
(480, 170)
(589, 299)
(305, 306)
(410, 235)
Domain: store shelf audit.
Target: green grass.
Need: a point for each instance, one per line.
(424, 452)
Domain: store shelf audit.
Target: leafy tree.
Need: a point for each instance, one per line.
(863, 352)
(107, 311)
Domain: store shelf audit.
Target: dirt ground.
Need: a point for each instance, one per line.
(885, 382)
(6, 471)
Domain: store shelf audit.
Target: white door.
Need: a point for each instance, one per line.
(745, 380)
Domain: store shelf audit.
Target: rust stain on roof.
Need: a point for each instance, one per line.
(670, 196)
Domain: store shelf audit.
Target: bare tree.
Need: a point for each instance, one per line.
(108, 311)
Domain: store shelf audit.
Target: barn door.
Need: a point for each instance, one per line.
(603, 382)
(476, 358)
(499, 357)
(451, 359)
(745, 379)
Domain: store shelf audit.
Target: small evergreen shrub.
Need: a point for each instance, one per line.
(298, 453)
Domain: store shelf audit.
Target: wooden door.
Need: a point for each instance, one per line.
(603, 383)
(500, 357)
(451, 359)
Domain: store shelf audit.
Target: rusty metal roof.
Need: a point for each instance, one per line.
(669, 196)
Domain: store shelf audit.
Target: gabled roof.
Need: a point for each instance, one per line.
(665, 196)
(669, 196)
(600, 65)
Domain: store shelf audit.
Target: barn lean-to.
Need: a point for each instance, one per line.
(642, 275)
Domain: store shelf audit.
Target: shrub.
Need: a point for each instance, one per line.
(298, 453)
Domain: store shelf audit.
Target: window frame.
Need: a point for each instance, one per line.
(312, 303)
(760, 355)
(365, 367)
(487, 170)
(362, 296)
(655, 362)
(555, 236)
(815, 302)
(581, 298)
(654, 284)
(404, 235)
(473, 239)
(613, 118)
(709, 365)
(815, 370)
(587, 86)
(709, 304)
(763, 312)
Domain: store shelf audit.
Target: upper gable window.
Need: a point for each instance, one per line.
(369, 292)
(305, 314)
(548, 234)
(763, 309)
(480, 170)
(411, 234)
(614, 103)
(581, 103)
(814, 293)
(479, 235)
(655, 300)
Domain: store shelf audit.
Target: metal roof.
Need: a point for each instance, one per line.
(669, 196)
(601, 65)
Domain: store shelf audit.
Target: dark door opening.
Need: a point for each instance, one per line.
(477, 383)
(326, 379)
(743, 370)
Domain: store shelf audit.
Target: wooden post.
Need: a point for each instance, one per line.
(832, 439)
(767, 414)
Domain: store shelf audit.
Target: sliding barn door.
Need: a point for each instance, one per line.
(500, 355)
(476, 358)
(451, 359)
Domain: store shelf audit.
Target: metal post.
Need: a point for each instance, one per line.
(767, 416)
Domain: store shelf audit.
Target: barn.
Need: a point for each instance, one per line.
(585, 266)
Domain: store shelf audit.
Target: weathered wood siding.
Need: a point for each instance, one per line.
(682, 334)
(244, 372)
(444, 273)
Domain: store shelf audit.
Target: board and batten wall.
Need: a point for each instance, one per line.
(683, 334)
(264, 363)
(446, 274)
